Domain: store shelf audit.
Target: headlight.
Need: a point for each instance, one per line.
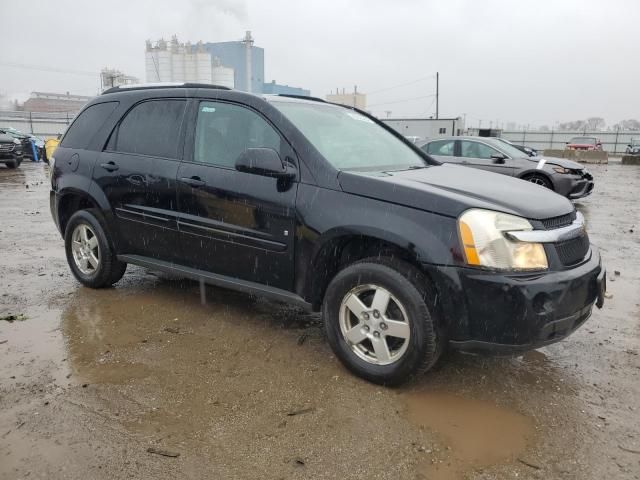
(561, 170)
(16, 141)
(485, 244)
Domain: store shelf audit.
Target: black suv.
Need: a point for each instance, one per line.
(10, 151)
(325, 207)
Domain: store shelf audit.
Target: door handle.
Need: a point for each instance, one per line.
(193, 181)
(110, 166)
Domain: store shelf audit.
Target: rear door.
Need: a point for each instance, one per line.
(137, 172)
(235, 223)
(479, 155)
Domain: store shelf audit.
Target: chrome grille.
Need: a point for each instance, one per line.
(6, 147)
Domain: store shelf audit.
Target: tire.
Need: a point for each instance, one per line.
(12, 164)
(403, 358)
(539, 180)
(92, 262)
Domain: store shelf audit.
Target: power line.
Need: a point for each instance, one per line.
(48, 69)
(429, 107)
(401, 85)
(403, 100)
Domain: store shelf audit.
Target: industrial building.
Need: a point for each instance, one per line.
(54, 102)
(237, 64)
(277, 89)
(426, 127)
(246, 60)
(110, 77)
(353, 99)
(183, 62)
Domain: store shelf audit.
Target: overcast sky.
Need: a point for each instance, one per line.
(532, 62)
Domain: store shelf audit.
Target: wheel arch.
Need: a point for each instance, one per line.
(340, 248)
(541, 173)
(71, 199)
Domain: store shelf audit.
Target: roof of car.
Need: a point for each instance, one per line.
(158, 85)
(190, 85)
(282, 97)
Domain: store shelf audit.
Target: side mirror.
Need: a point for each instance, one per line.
(265, 162)
(498, 158)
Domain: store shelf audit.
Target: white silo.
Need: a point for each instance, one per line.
(203, 67)
(221, 75)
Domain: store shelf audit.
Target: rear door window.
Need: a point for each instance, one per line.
(87, 124)
(441, 147)
(150, 128)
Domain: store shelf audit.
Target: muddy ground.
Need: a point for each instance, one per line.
(93, 384)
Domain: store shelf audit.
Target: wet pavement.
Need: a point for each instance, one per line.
(101, 383)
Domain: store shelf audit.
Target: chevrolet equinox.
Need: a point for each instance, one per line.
(322, 206)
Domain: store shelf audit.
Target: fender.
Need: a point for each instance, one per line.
(426, 237)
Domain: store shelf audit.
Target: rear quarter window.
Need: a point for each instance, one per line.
(87, 124)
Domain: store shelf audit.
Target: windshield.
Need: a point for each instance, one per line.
(583, 140)
(349, 140)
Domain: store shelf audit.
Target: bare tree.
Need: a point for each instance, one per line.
(630, 124)
(573, 126)
(595, 123)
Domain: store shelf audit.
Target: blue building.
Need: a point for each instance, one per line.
(234, 55)
(276, 88)
(242, 54)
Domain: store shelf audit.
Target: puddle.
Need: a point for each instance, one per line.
(478, 433)
(32, 349)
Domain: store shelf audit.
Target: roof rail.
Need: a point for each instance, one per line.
(302, 97)
(148, 86)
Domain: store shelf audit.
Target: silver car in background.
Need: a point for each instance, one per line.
(566, 177)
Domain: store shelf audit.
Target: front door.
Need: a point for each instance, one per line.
(479, 155)
(234, 223)
(137, 172)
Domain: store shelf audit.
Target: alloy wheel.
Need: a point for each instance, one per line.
(374, 324)
(538, 181)
(85, 249)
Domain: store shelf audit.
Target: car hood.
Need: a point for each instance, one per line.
(451, 189)
(563, 162)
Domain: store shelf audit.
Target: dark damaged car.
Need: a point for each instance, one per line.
(10, 151)
(324, 207)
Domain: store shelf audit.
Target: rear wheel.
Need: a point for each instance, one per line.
(539, 180)
(378, 323)
(89, 251)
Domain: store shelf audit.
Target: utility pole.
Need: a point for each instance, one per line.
(437, 94)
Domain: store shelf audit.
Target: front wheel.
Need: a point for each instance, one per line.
(89, 251)
(12, 164)
(378, 323)
(539, 180)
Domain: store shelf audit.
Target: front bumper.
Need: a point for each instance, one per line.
(573, 186)
(13, 156)
(502, 313)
